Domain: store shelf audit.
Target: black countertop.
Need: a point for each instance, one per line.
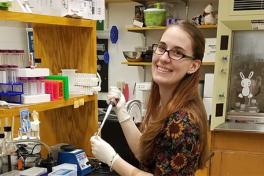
(102, 172)
(100, 168)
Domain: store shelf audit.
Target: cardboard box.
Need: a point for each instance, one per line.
(29, 72)
(99, 13)
(34, 171)
(87, 9)
(210, 50)
(64, 169)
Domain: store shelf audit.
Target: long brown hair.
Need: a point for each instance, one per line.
(185, 97)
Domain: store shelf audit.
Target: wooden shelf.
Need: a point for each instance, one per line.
(206, 63)
(39, 107)
(136, 63)
(149, 63)
(109, 1)
(138, 29)
(146, 1)
(61, 42)
(134, 29)
(44, 19)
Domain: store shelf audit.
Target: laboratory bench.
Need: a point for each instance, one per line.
(241, 127)
(103, 171)
(99, 172)
(238, 149)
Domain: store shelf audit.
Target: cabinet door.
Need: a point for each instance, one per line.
(237, 163)
(203, 172)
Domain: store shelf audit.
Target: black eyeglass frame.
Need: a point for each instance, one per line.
(155, 47)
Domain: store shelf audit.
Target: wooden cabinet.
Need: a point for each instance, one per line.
(62, 43)
(237, 153)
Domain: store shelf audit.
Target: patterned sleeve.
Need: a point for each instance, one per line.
(177, 147)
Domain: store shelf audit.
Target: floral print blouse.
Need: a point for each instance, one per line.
(176, 147)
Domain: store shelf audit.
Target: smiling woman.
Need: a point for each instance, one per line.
(173, 135)
(179, 116)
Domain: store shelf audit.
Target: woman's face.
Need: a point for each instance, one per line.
(166, 71)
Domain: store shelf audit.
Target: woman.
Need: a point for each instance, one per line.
(173, 136)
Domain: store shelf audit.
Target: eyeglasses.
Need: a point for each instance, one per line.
(173, 54)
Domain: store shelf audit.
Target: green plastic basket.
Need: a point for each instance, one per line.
(65, 81)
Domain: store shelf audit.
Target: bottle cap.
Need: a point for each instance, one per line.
(2, 135)
(7, 128)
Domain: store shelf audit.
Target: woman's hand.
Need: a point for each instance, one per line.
(103, 151)
(116, 97)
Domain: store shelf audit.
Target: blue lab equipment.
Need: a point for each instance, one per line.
(78, 157)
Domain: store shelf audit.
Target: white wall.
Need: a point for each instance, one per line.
(121, 15)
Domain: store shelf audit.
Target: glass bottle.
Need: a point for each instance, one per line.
(2, 143)
(7, 132)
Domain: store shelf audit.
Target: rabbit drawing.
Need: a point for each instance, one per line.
(245, 83)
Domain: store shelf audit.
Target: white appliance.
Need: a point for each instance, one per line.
(142, 91)
(208, 85)
(208, 93)
(208, 106)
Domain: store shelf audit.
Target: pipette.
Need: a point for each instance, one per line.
(115, 91)
(105, 117)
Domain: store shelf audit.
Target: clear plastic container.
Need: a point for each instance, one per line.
(32, 86)
(2, 74)
(13, 73)
(5, 68)
(8, 72)
(2, 77)
(25, 84)
(4, 87)
(41, 85)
